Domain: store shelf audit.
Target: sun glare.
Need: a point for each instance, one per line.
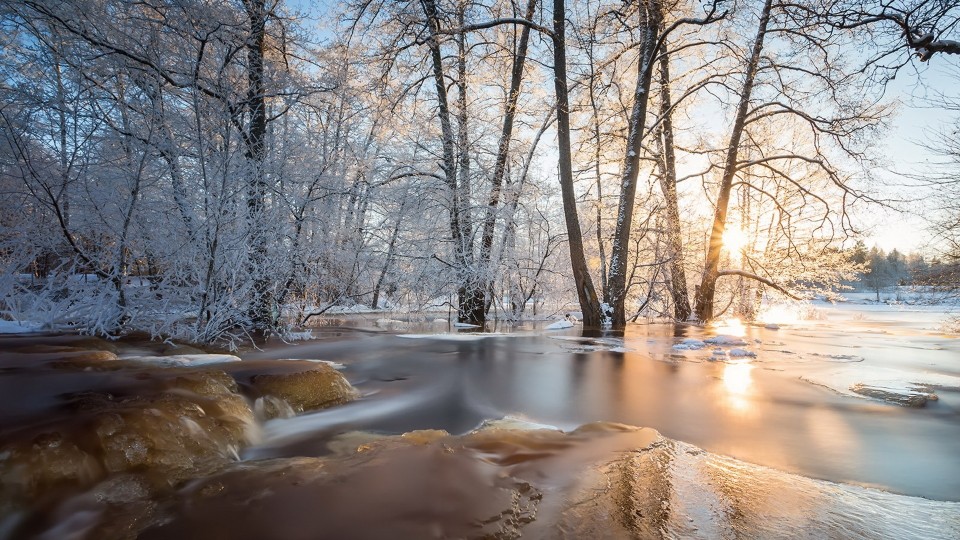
(731, 327)
(779, 315)
(737, 383)
(734, 239)
(736, 378)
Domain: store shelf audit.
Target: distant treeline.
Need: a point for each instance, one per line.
(882, 269)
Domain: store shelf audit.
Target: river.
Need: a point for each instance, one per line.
(845, 423)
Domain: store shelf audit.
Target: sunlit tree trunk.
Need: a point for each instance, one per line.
(708, 284)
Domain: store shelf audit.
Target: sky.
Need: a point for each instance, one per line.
(907, 147)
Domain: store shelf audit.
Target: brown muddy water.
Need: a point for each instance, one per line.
(845, 427)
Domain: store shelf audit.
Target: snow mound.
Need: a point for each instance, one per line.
(299, 336)
(464, 325)
(742, 353)
(19, 327)
(560, 325)
(724, 339)
(186, 359)
(690, 344)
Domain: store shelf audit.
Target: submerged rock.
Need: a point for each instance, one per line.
(170, 425)
(302, 384)
(903, 397)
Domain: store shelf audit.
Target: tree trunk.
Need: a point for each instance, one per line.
(668, 183)
(386, 265)
(586, 294)
(617, 282)
(471, 308)
(503, 150)
(469, 296)
(261, 310)
(708, 284)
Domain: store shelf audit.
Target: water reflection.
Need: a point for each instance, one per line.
(737, 382)
(731, 327)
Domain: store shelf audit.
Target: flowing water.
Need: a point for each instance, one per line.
(790, 407)
(844, 426)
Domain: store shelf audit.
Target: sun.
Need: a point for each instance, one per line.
(734, 239)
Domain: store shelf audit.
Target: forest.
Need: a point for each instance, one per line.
(213, 171)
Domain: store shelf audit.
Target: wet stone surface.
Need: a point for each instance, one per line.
(116, 427)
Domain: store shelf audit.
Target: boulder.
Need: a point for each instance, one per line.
(304, 385)
(169, 425)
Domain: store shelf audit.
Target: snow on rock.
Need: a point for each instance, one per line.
(905, 397)
(513, 422)
(896, 386)
(724, 339)
(19, 327)
(334, 365)
(839, 357)
(742, 353)
(186, 359)
(690, 344)
(299, 336)
(560, 325)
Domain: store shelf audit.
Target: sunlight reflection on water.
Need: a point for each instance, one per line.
(731, 327)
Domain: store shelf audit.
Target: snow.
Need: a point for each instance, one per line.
(513, 422)
(19, 327)
(299, 336)
(560, 325)
(724, 339)
(186, 359)
(464, 325)
(334, 365)
(690, 344)
(742, 353)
